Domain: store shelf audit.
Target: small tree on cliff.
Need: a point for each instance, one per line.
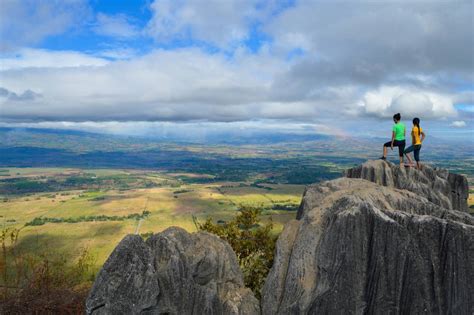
(253, 243)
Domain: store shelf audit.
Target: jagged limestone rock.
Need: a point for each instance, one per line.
(127, 283)
(437, 185)
(173, 272)
(360, 247)
(388, 240)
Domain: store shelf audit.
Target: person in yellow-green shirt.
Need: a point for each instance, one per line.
(398, 138)
(417, 137)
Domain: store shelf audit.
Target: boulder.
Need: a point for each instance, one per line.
(173, 272)
(364, 246)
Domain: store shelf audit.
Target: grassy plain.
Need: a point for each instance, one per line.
(170, 201)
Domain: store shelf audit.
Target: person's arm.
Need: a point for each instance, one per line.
(422, 137)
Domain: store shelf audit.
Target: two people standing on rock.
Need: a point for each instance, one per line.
(398, 140)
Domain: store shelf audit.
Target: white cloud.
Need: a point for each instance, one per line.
(189, 84)
(41, 58)
(458, 124)
(221, 23)
(370, 42)
(28, 22)
(389, 100)
(118, 53)
(119, 26)
(186, 84)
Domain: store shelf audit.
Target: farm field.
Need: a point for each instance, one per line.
(99, 217)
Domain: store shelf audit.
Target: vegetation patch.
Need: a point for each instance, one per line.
(253, 243)
(285, 207)
(48, 282)
(182, 191)
(90, 218)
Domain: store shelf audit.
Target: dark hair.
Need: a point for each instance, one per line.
(416, 122)
(397, 116)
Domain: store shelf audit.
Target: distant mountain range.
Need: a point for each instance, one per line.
(18, 135)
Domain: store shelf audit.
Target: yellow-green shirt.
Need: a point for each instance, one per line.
(415, 135)
(399, 130)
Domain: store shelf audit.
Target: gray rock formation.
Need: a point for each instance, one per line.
(368, 247)
(437, 185)
(173, 272)
(382, 240)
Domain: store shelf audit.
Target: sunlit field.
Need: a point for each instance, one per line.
(170, 202)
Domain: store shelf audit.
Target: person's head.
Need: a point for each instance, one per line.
(416, 122)
(397, 117)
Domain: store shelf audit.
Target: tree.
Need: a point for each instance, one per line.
(253, 243)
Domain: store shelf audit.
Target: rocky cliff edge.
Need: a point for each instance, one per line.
(388, 240)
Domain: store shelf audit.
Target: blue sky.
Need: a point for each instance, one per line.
(341, 68)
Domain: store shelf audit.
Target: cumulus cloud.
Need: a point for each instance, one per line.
(119, 25)
(387, 101)
(165, 85)
(28, 22)
(41, 58)
(371, 43)
(217, 22)
(189, 84)
(458, 124)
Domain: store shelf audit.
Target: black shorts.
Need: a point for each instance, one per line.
(397, 143)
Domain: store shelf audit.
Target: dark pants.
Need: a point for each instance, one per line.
(397, 143)
(416, 151)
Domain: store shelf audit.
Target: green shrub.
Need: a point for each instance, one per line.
(253, 243)
(42, 281)
(43, 220)
(146, 235)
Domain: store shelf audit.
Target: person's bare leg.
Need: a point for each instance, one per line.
(401, 160)
(410, 161)
(418, 165)
(384, 151)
